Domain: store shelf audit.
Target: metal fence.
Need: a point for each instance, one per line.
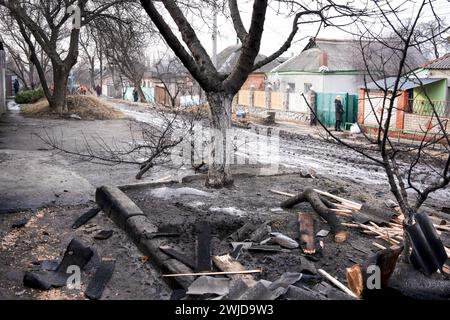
(326, 111)
(425, 108)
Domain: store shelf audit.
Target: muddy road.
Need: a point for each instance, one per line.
(287, 148)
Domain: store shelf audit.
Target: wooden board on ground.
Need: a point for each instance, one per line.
(227, 264)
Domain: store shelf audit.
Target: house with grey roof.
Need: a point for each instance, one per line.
(338, 66)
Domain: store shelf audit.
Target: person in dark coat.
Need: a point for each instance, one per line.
(135, 95)
(339, 113)
(98, 89)
(16, 87)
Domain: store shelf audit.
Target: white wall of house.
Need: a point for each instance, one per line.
(327, 83)
(342, 83)
(299, 80)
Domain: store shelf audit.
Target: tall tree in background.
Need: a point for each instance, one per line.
(19, 54)
(221, 88)
(125, 37)
(50, 24)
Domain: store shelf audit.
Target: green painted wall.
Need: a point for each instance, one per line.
(437, 91)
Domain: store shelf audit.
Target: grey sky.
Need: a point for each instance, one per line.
(277, 28)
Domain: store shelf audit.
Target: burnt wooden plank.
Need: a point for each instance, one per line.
(307, 238)
(203, 247)
(178, 255)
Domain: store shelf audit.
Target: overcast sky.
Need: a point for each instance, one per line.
(278, 27)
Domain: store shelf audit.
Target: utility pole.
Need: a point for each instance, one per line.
(215, 35)
(2, 79)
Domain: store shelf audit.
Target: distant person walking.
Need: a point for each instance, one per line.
(312, 106)
(16, 87)
(339, 113)
(135, 95)
(98, 89)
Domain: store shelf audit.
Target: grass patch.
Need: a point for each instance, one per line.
(85, 107)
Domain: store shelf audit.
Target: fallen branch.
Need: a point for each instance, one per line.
(309, 195)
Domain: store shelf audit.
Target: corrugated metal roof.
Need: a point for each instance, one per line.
(442, 63)
(347, 55)
(405, 83)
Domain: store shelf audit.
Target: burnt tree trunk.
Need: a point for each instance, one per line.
(219, 156)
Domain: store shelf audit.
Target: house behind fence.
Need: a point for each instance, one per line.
(326, 67)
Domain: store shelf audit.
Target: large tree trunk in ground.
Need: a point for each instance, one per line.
(219, 175)
(58, 100)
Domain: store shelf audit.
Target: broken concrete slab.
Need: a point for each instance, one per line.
(209, 285)
(138, 227)
(116, 205)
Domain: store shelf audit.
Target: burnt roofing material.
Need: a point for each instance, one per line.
(428, 253)
(442, 63)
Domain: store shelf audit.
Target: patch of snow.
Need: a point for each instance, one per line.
(168, 193)
(231, 211)
(13, 106)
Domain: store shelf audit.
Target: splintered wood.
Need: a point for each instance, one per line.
(306, 225)
(227, 264)
(355, 280)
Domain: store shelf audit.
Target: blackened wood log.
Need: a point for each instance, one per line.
(203, 247)
(309, 195)
(307, 238)
(414, 284)
(178, 255)
(243, 233)
(261, 233)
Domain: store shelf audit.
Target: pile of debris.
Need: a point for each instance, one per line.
(224, 277)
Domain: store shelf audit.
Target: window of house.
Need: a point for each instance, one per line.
(291, 86)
